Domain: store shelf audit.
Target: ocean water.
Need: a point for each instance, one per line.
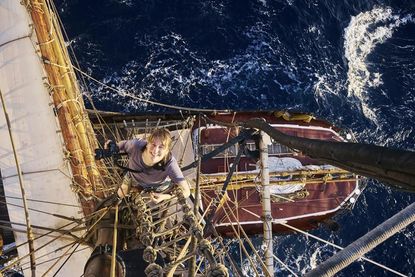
(349, 62)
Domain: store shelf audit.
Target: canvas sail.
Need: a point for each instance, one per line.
(39, 146)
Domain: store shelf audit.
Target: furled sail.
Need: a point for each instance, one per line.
(46, 160)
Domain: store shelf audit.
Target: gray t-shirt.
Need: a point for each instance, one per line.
(149, 177)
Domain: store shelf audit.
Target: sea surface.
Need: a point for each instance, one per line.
(349, 62)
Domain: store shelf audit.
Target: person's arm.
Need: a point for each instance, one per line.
(184, 185)
(130, 147)
(158, 197)
(176, 175)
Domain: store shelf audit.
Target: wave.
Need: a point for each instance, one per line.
(364, 32)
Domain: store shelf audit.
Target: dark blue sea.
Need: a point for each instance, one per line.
(349, 62)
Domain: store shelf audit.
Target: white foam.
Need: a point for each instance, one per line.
(365, 31)
(263, 2)
(314, 259)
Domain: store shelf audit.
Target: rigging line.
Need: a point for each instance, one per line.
(65, 35)
(207, 208)
(49, 242)
(223, 191)
(52, 252)
(40, 201)
(30, 209)
(59, 258)
(181, 132)
(16, 39)
(275, 257)
(81, 239)
(243, 136)
(243, 246)
(189, 255)
(32, 253)
(284, 265)
(181, 255)
(114, 243)
(125, 94)
(182, 128)
(52, 259)
(236, 182)
(226, 158)
(365, 243)
(333, 245)
(43, 235)
(180, 138)
(232, 261)
(340, 248)
(37, 227)
(192, 262)
(67, 259)
(22, 189)
(245, 235)
(47, 261)
(202, 259)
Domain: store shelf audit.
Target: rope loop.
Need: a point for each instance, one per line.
(186, 208)
(150, 254)
(219, 270)
(137, 199)
(196, 231)
(147, 239)
(189, 219)
(154, 270)
(203, 246)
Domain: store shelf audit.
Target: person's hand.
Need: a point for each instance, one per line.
(158, 197)
(115, 199)
(107, 143)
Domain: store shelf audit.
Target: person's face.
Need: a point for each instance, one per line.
(157, 150)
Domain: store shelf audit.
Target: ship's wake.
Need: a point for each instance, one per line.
(364, 32)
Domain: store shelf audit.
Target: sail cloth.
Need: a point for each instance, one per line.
(47, 177)
(396, 167)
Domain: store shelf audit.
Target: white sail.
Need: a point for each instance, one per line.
(39, 148)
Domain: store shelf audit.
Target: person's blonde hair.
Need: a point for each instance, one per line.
(164, 136)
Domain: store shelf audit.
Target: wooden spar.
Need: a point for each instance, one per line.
(193, 245)
(84, 127)
(266, 203)
(68, 104)
(395, 167)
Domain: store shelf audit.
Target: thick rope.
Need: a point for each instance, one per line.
(154, 270)
(218, 270)
(366, 243)
(331, 244)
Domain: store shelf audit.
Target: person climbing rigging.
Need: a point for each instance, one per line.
(152, 166)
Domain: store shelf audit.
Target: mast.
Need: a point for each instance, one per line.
(67, 99)
(266, 203)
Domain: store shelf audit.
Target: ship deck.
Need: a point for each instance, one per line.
(304, 191)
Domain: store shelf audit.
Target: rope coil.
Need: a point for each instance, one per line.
(203, 246)
(154, 270)
(150, 254)
(219, 270)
